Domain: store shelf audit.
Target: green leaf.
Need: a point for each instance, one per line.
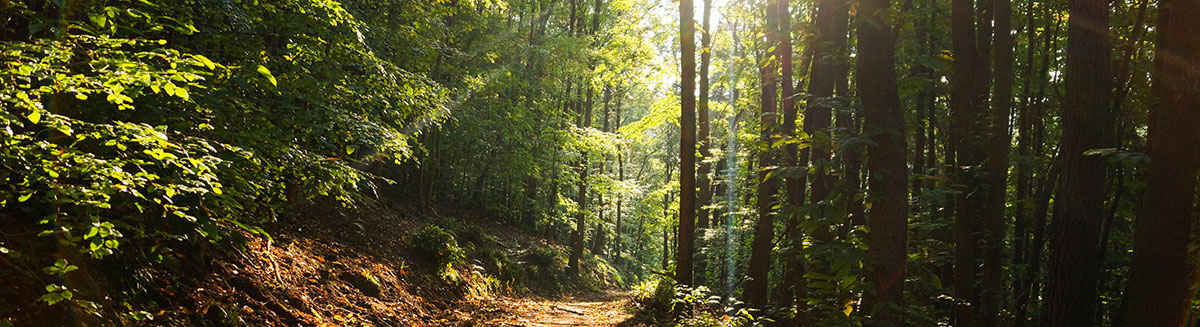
(34, 116)
(182, 93)
(267, 73)
(204, 60)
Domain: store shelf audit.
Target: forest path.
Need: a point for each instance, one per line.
(583, 308)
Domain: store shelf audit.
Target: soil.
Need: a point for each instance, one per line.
(584, 308)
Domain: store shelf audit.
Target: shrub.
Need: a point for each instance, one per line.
(698, 306)
(439, 245)
(545, 256)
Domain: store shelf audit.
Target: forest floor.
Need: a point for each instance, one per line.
(332, 266)
(325, 265)
(582, 308)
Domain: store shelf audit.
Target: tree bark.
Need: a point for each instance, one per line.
(577, 238)
(1046, 186)
(764, 229)
(1159, 280)
(1087, 124)
(687, 145)
(888, 178)
(966, 112)
(818, 115)
(1023, 166)
(997, 166)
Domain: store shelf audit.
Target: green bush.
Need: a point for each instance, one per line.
(698, 306)
(438, 244)
(548, 257)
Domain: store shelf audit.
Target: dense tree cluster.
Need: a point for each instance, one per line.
(957, 167)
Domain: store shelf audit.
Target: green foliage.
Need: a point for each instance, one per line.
(439, 245)
(145, 123)
(699, 307)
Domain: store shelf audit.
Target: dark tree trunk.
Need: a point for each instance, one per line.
(617, 240)
(997, 166)
(794, 187)
(1159, 281)
(818, 115)
(687, 145)
(966, 112)
(1023, 166)
(888, 177)
(1070, 294)
(577, 238)
(764, 229)
(847, 121)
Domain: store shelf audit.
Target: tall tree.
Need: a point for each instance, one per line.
(883, 119)
(1087, 124)
(578, 238)
(793, 286)
(997, 166)
(1023, 163)
(1159, 281)
(1044, 187)
(818, 116)
(968, 102)
(617, 240)
(702, 175)
(764, 229)
(687, 145)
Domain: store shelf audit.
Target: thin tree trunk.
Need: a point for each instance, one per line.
(705, 184)
(1033, 261)
(617, 241)
(1024, 126)
(791, 285)
(582, 197)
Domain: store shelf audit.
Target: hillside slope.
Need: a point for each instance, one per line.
(381, 265)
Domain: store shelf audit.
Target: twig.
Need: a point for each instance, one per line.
(274, 265)
(569, 310)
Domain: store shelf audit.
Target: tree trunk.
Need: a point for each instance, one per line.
(687, 145)
(1159, 280)
(617, 240)
(792, 286)
(888, 178)
(1046, 185)
(847, 121)
(1023, 166)
(705, 184)
(966, 112)
(577, 238)
(818, 115)
(997, 166)
(1087, 124)
(764, 229)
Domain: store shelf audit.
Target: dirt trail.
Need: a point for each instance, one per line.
(602, 308)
